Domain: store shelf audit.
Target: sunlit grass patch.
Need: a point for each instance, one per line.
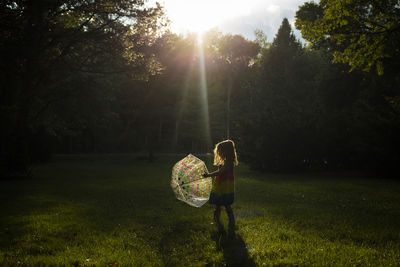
(117, 210)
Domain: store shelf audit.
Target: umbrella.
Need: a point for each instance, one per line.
(188, 183)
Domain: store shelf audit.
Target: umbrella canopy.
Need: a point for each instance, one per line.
(188, 183)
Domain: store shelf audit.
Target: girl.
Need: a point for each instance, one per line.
(222, 192)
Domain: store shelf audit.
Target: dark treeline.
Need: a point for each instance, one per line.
(108, 77)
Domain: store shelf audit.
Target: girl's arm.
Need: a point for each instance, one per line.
(216, 173)
(211, 174)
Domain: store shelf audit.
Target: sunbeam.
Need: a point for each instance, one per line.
(203, 89)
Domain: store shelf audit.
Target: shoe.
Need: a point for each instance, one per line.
(232, 226)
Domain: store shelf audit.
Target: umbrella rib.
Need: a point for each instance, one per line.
(193, 181)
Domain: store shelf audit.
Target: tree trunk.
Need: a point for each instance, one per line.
(228, 108)
(176, 137)
(18, 158)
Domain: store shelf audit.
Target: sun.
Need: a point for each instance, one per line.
(201, 15)
(192, 16)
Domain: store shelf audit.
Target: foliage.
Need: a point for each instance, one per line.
(309, 114)
(363, 34)
(50, 50)
(285, 107)
(105, 77)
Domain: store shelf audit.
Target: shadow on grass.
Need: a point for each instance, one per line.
(232, 246)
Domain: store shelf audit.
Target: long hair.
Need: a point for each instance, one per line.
(225, 153)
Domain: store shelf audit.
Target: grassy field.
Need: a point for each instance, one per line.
(117, 210)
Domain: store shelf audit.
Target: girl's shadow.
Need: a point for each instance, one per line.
(233, 247)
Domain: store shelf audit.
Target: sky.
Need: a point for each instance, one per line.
(231, 16)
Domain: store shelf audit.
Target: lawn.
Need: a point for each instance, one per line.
(95, 210)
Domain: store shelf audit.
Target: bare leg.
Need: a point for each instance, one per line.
(231, 216)
(217, 214)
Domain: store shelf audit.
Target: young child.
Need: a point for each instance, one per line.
(222, 192)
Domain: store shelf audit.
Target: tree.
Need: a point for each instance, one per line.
(44, 44)
(279, 134)
(360, 116)
(237, 55)
(362, 34)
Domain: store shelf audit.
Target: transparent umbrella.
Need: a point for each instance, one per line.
(188, 183)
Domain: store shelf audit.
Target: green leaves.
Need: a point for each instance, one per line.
(360, 33)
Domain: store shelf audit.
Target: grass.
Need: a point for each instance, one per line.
(117, 210)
